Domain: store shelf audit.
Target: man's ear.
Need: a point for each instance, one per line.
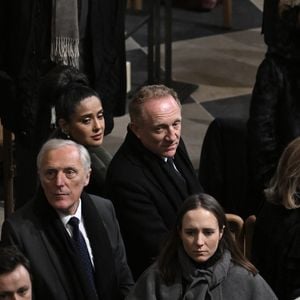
(135, 128)
(87, 178)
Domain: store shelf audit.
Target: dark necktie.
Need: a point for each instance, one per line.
(82, 251)
(173, 171)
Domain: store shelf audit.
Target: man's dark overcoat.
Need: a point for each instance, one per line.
(147, 197)
(39, 233)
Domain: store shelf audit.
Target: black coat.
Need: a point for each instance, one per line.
(25, 58)
(275, 249)
(274, 115)
(270, 21)
(274, 119)
(39, 233)
(146, 198)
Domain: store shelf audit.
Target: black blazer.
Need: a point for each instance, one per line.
(146, 198)
(275, 249)
(37, 230)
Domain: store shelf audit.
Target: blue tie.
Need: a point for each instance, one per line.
(82, 251)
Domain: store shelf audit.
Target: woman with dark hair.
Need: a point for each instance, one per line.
(276, 240)
(200, 260)
(79, 116)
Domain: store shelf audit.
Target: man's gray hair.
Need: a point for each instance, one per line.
(53, 144)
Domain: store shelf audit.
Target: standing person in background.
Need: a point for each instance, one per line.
(71, 238)
(276, 240)
(274, 119)
(15, 274)
(38, 35)
(151, 174)
(200, 260)
(270, 21)
(80, 117)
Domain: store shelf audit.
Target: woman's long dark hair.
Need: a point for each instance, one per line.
(168, 260)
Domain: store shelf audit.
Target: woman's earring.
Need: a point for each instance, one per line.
(66, 133)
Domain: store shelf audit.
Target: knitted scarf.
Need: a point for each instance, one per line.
(65, 33)
(201, 281)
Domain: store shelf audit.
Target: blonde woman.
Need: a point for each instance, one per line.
(276, 242)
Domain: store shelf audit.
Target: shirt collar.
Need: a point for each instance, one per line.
(165, 158)
(65, 218)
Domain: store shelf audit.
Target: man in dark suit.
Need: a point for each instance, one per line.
(144, 188)
(43, 231)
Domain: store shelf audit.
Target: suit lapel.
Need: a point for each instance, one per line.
(186, 168)
(61, 251)
(56, 263)
(101, 248)
(159, 176)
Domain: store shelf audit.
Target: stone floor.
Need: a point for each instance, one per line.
(221, 62)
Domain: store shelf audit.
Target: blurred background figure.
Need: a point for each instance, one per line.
(274, 119)
(37, 36)
(270, 21)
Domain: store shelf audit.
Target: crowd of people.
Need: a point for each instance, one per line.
(140, 224)
(155, 227)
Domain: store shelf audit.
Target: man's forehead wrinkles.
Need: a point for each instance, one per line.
(54, 168)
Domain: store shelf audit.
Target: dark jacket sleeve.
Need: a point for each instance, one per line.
(9, 236)
(134, 201)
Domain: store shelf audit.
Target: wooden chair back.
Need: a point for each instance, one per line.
(249, 230)
(236, 227)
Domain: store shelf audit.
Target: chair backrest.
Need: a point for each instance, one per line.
(236, 226)
(249, 230)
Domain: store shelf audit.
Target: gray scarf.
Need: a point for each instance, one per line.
(201, 282)
(65, 33)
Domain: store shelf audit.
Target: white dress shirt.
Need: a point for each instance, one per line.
(65, 219)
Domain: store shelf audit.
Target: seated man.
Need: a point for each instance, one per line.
(72, 239)
(144, 188)
(15, 278)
